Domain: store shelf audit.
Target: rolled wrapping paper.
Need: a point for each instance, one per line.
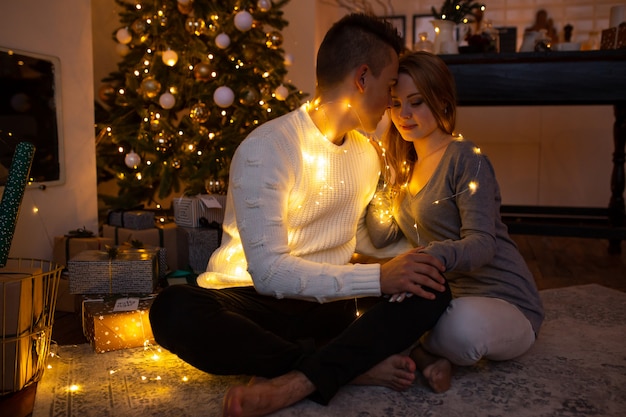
(13, 194)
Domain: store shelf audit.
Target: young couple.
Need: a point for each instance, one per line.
(281, 295)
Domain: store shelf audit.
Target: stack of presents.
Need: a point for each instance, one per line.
(113, 278)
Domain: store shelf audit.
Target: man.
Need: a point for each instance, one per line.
(280, 294)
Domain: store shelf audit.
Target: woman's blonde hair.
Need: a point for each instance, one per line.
(435, 83)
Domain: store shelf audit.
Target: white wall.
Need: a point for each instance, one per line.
(61, 29)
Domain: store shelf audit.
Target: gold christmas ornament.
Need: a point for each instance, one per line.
(264, 5)
(281, 92)
(274, 39)
(170, 58)
(248, 96)
(155, 122)
(203, 131)
(288, 61)
(202, 71)
(106, 93)
(185, 7)
(139, 26)
(164, 142)
(150, 87)
(249, 54)
(122, 49)
(199, 112)
(123, 36)
(195, 26)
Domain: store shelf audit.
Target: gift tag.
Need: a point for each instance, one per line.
(210, 202)
(126, 304)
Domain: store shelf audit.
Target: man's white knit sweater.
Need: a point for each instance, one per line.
(295, 201)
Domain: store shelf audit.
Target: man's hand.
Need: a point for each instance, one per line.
(410, 272)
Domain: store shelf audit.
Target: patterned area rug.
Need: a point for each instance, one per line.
(576, 368)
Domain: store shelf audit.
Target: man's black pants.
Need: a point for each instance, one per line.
(237, 331)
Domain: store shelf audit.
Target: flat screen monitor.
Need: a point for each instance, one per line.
(30, 110)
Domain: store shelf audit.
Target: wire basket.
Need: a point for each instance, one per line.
(28, 292)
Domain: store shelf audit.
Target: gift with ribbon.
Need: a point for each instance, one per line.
(196, 244)
(163, 235)
(74, 242)
(189, 210)
(132, 219)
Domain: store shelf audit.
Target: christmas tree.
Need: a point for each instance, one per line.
(195, 78)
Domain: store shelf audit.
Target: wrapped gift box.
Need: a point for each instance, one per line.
(94, 272)
(162, 236)
(21, 298)
(21, 308)
(19, 362)
(108, 328)
(161, 254)
(195, 246)
(66, 301)
(132, 219)
(66, 247)
(621, 36)
(189, 210)
(609, 38)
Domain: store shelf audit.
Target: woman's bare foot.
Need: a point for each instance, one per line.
(436, 370)
(396, 372)
(262, 397)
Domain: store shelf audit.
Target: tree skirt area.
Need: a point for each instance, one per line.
(577, 367)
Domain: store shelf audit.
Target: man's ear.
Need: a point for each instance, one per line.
(361, 75)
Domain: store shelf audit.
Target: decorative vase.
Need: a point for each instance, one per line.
(445, 42)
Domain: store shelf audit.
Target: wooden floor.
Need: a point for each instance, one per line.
(555, 262)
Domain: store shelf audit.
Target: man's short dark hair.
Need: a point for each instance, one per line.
(354, 40)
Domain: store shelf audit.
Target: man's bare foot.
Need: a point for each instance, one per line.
(396, 372)
(436, 370)
(262, 397)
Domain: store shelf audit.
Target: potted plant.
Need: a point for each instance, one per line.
(457, 10)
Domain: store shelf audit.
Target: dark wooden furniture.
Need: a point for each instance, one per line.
(555, 78)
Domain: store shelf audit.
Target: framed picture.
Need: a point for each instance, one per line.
(421, 23)
(399, 22)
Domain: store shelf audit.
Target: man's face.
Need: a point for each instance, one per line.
(377, 94)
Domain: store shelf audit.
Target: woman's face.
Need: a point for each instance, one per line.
(409, 113)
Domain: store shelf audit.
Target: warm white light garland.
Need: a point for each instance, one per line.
(384, 197)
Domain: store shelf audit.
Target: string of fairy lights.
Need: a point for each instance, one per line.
(151, 353)
(385, 195)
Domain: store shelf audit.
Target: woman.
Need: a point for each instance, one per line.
(441, 193)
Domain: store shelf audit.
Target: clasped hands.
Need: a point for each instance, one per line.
(407, 274)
